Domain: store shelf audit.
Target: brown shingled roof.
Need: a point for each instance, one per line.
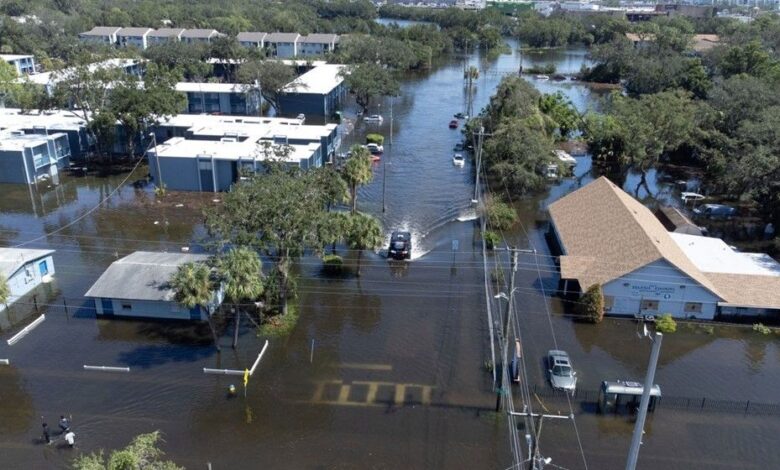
(606, 233)
(748, 290)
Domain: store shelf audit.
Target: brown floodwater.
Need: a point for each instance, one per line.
(382, 371)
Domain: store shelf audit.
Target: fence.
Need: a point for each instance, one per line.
(545, 393)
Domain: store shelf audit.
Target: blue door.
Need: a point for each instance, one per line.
(108, 306)
(195, 313)
(43, 267)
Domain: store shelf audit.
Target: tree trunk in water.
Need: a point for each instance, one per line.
(213, 331)
(283, 291)
(360, 255)
(237, 317)
(354, 199)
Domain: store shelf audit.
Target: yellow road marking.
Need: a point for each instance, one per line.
(344, 394)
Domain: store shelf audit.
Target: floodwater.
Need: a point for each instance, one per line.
(383, 371)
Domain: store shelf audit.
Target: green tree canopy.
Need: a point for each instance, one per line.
(357, 172)
(5, 291)
(592, 304)
(363, 233)
(142, 453)
(270, 75)
(369, 81)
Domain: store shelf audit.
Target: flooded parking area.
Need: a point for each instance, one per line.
(385, 370)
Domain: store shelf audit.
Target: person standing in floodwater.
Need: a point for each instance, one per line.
(70, 438)
(64, 423)
(46, 435)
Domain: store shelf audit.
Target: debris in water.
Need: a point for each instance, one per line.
(185, 249)
(156, 222)
(179, 205)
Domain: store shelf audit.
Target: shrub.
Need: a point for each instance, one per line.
(279, 325)
(333, 263)
(666, 324)
(491, 239)
(592, 304)
(500, 216)
(375, 139)
(761, 328)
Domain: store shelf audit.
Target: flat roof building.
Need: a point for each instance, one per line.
(24, 64)
(28, 158)
(607, 237)
(215, 165)
(220, 98)
(138, 285)
(24, 269)
(320, 91)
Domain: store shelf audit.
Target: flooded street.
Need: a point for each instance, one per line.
(382, 371)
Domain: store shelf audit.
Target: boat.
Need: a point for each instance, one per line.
(374, 118)
(458, 160)
(542, 77)
(687, 196)
(565, 158)
(454, 124)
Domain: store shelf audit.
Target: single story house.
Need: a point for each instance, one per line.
(24, 269)
(163, 35)
(138, 285)
(282, 45)
(101, 35)
(320, 91)
(220, 98)
(28, 158)
(133, 37)
(317, 44)
(206, 165)
(252, 39)
(200, 35)
(24, 64)
(607, 237)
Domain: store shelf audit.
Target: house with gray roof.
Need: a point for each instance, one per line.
(133, 37)
(317, 44)
(252, 39)
(282, 45)
(138, 285)
(163, 35)
(24, 269)
(200, 35)
(101, 35)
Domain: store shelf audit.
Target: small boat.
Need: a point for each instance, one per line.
(454, 124)
(458, 160)
(542, 77)
(686, 196)
(374, 118)
(565, 158)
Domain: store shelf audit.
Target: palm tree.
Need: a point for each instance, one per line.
(331, 230)
(193, 287)
(334, 188)
(363, 232)
(241, 272)
(357, 172)
(5, 291)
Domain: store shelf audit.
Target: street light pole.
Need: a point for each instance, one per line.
(504, 358)
(639, 427)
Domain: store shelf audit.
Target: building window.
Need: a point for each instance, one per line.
(126, 306)
(609, 301)
(649, 305)
(692, 307)
(43, 267)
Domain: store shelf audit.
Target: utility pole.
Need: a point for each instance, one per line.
(384, 160)
(504, 382)
(157, 159)
(480, 138)
(639, 427)
(533, 457)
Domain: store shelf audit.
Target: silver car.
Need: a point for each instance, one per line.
(562, 375)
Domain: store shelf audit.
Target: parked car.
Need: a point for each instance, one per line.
(562, 375)
(715, 210)
(375, 149)
(374, 118)
(459, 147)
(454, 124)
(458, 160)
(400, 245)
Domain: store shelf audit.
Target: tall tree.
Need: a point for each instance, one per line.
(193, 287)
(275, 211)
(142, 453)
(270, 75)
(357, 172)
(8, 82)
(231, 53)
(363, 233)
(369, 81)
(241, 272)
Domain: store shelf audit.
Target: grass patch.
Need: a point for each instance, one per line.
(279, 325)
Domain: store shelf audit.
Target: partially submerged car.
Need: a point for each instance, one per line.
(400, 246)
(562, 375)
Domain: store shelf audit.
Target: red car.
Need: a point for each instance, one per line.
(454, 124)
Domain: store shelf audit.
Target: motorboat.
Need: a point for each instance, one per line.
(458, 159)
(374, 118)
(565, 158)
(454, 124)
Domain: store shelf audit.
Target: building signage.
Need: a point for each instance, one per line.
(652, 290)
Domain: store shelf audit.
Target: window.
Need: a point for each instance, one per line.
(649, 305)
(609, 301)
(692, 307)
(126, 306)
(43, 267)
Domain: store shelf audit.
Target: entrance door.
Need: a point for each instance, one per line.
(206, 175)
(108, 306)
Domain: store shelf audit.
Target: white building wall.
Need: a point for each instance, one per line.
(133, 41)
(663, 283)
(27, 278)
